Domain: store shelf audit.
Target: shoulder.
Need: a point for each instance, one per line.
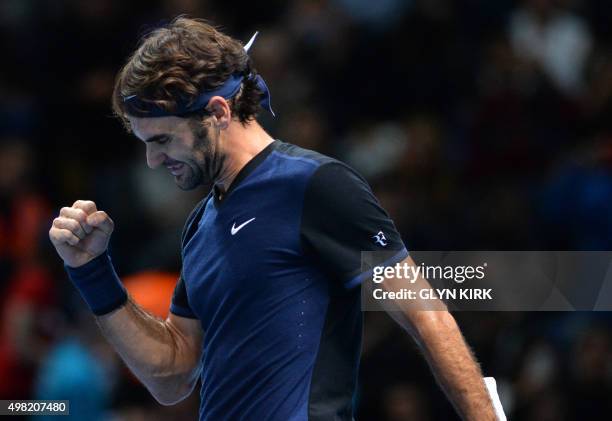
(320, 166)
(292, 153)
(326, 177)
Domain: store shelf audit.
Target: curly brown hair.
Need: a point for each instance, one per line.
(180, 60)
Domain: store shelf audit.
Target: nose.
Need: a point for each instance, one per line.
(154, 157)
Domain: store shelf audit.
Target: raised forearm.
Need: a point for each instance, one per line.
(164, 355)
(156, 351)
(452, 363)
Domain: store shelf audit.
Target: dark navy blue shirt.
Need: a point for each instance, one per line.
(272, 270)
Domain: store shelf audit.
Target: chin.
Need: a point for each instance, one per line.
(185, 184)
(189, 179)
(187, 188)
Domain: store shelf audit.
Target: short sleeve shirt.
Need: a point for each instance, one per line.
(272, 272)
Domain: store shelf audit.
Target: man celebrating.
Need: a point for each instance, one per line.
(267, 308)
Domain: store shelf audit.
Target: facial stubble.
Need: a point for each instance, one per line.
(207, 162)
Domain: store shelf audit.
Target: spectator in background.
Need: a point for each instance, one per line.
(554, 40)
(591, 385)
(585, 176)
(25, 282)
(23, 211)
(72, 371)
(405, 401)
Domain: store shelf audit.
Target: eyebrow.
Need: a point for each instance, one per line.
(156, 138)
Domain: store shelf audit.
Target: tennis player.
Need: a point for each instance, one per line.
(266, 311)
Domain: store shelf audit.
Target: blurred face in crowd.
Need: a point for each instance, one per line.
(186, 147)
(15, 161)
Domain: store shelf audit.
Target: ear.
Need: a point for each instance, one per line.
(220, 110)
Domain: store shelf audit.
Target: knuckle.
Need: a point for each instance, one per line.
(80, 215)
(84, 204)
(105, 217)
(109, 220)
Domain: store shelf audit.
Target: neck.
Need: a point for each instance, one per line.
(240, 143)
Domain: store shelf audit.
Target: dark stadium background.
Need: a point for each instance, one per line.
(473, 134)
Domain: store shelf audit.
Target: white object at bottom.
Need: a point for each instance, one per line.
(497, 406)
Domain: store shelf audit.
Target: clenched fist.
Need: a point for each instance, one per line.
(81, 233)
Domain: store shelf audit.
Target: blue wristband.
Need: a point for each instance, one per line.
(99, 285)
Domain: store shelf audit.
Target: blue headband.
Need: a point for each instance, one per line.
(139, 108)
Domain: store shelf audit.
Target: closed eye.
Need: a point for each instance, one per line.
(160, 139)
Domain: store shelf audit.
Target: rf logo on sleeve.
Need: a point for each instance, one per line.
(380, 239)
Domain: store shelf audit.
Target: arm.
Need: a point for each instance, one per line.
(445, 350)
(164, 355)
(341, 219)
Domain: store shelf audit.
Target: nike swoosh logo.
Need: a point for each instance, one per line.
(235, 228)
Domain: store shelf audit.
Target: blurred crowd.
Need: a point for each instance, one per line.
(481, 125)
